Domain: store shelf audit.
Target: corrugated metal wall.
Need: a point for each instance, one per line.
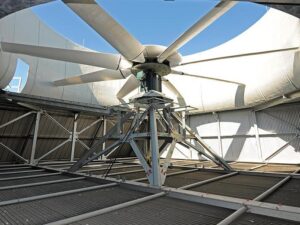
(237, 133)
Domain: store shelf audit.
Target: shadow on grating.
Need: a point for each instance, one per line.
(57, 208)
(253, 219)
(166, 211)
(239, 186)
(288, 194)
(189, 178)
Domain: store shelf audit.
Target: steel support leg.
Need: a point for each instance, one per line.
(156, 176)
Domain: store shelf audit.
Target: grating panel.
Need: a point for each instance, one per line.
(22, 174)
(244, 166)
(131, 176)
(189, 178)
(278, 168)
(32, 180)
(57, 208)
(165, 211)
(288, 194)
(239, 186)
(253, 219)
(117, 170)
(43, 189)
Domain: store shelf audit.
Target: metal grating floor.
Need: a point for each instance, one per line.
(57, 208)
(164, 211)
(189, 178)
(2, 176)
(31, 180)
(253, 219)
(142, 174)
(288, 194)
(117, 170)
(239, 186)
(43, 189)
(278, 168)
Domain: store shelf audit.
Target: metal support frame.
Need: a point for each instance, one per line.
(197, 184)
(56, 194)
(91, 154)
(107, 210)
(13, 152)
(30, 176)
(35, 137)
(242, 210)
(216, 115)
(276, 152)
(156, 174)
(74, 136)
(253, 206)
(8, 123)
(213, 155)
(257, 138)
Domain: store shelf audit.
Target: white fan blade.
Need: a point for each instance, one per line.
(108, 28)
(185, 62)
(204, 77)
(101, 75)
(174, 90)
(131, 84)
(198, 27)
(104, 60)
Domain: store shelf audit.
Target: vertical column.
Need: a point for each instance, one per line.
(104, 133)
(156, 178)
(35, 136)
(219, 133)
(257, 135)
(74, 137)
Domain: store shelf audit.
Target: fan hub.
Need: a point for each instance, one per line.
(160, 69)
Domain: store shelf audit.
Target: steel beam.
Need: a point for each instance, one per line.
(200, 183)
(219, 133)
(256, 207)
(228, 220)
(13, 152)
(74, 137)
(56, 194)
(35, 137)
(155, 165)
(170, 174)
(52, 150)
(41, 183)
(276, 152)
(257, 138)
(22, 171)
(89, 155)
(220, 160)
(16, 119)
(107, 210)
(31, 176)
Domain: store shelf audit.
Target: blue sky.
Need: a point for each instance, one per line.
(152, 22)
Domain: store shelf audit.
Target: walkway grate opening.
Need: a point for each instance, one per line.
(164, 210)
(239, 186)
(288, 194)
(57, 208)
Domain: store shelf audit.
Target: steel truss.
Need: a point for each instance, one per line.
(152, 121)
